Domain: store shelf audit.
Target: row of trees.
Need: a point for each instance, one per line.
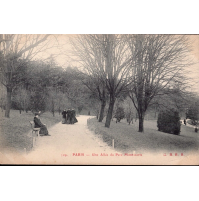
(148, 69)
(144, 67)
(48, 87)
(15, 52)
(36, 84)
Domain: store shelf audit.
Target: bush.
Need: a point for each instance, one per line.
(119, 113)
(129, 117)
(169, 122)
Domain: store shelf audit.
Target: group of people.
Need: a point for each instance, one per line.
(69, 116)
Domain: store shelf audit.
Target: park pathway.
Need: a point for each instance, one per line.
(76, 145)
(69, 144)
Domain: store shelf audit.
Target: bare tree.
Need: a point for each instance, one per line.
(98, 89)
(117, 62)
(89, 54)
(105, 58)
(158, 62)
(14, 50)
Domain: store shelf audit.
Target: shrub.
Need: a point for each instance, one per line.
(129, 117)
(169, 122)
(119, 113)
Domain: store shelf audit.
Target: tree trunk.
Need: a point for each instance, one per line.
(53, 108)
(141, 106)
(103, 105)
(141, 126)
(110, 112)
(141, 113)
(141, 122)
(8, 102)
(59, 110)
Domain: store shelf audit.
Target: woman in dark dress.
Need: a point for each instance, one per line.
(68, 116)
(64, 117)
(38, 124)
(74, 120)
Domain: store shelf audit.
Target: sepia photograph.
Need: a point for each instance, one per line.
(99, 99)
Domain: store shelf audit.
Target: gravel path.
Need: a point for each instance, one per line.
(69, 144)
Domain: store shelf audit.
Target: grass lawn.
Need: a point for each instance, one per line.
(15, 131)
(127, 138)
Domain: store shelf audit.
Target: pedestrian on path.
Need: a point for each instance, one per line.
(64, 117)
(73, 114)
(185, 122)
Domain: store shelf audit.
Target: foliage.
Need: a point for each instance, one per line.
(2, 96)
(119, 113)
(13, 60)
(193, 113)
(169, 122)
(48, 87)
(21, 99)
(129, 109)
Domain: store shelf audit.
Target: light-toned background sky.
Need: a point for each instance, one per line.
(63, 56)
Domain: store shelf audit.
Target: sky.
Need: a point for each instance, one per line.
(194, 69)
(62, 54)
(64, 41)
(60, 49)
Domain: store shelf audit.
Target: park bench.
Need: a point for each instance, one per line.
(36, 130)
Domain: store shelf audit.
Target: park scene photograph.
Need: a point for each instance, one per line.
(99, 99)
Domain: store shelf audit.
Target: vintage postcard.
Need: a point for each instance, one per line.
(99, 99)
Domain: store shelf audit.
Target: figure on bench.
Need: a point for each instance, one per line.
(38, 124)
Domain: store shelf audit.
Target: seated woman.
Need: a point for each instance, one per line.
(38, 124)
